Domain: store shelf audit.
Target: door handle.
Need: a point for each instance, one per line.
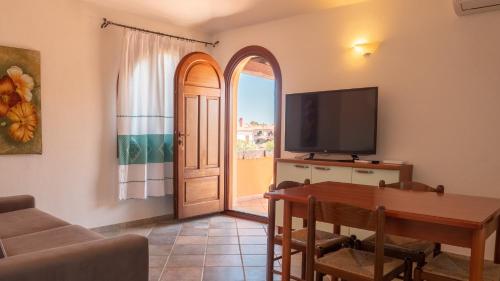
(301, 166)
(180, 138)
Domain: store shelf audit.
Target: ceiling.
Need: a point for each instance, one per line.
(213, 16)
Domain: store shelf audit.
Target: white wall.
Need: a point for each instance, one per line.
(76, 177)
(439, 79)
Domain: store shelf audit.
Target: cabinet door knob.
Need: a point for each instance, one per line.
(365, 171)
(322, 168)
(301, 166)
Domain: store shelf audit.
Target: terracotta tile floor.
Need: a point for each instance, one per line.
(217, 248)
(256, 206)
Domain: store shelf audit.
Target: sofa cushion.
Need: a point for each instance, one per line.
(48, 239)
(27, 221)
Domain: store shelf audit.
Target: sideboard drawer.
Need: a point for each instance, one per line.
(290, 172)
(293, 172)
(330, 173)
(371, 177)
(374, 176)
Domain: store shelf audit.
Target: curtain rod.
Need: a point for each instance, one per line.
(107, 22)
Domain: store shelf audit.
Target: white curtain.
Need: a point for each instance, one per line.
(145, 107)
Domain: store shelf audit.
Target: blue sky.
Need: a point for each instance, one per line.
(256, 99)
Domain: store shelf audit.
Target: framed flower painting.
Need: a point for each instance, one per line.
(20, 101)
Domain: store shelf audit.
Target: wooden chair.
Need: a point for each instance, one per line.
(400, 247)
(325, 241)
(452, 267)
(413, 186)
(349, 263)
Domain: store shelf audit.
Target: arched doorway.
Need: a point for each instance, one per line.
(253, 130)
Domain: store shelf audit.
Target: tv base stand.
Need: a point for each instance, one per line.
(355, 157)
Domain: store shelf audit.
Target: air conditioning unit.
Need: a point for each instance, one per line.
(467, 7)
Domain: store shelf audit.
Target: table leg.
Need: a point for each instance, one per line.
(477, 255)
(287, 233)
(497, 243)
(270, 239)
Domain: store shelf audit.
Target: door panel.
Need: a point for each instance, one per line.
(197, 173)
(199, 146)
(191, 135)
(201, 189)
(213, 131)
(203, 75)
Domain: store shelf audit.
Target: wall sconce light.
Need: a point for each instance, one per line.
(366, 49)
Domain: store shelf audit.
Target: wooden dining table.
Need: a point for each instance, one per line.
(451, 219)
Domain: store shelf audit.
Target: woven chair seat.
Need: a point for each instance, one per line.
(457, 267)
(404, 245)
(357, 262)
(324, 239)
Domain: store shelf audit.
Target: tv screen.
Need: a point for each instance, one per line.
(340, 121)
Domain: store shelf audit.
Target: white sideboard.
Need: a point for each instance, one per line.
(321, 171)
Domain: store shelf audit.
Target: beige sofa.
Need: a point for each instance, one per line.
(35, 246)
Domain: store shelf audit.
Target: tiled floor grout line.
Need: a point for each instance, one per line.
(205, 252)
(241, 251)
(170, 254)
(150, 231)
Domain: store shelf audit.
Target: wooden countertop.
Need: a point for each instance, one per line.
(347, 164)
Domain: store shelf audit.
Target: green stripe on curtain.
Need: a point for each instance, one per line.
(143, 149)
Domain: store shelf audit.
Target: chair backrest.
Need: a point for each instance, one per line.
(288, 184)
(342, 214)
(413, 186)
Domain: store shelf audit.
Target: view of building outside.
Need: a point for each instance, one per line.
(255, 131)
(255, 143)
(254, 140)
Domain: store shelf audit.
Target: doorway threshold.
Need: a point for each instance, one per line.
(246, 216)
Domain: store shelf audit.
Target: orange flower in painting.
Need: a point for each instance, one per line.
(24, 83)
(24, 122)
(6, 85)
(8, 95)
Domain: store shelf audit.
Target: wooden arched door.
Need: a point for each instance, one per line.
(199, 130)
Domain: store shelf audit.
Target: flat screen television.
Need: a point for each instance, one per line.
(340, 121)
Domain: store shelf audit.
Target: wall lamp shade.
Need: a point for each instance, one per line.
(366, 49)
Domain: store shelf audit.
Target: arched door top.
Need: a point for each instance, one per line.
(253, 51)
